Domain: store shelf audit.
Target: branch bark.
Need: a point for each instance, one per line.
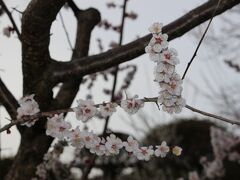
(8, 100)
(100, 62)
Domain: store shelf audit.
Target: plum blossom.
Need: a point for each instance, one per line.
(132, 105)
(113, 144)
(88, 138)
(156, 28)
(57, 127)
(155, 57)
(159, 42)
(169, 56)
(131, 145)
(162, 150)
(85, 110)
(177, 150)
(76, 138)
(28, 107)
(144, 153)
(107, 109)
(52, 124)
(98, 147)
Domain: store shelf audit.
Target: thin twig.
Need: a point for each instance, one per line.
(65, 30)
(9, 14)
(200, 42)
(152, 100)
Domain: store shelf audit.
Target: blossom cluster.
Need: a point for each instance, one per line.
(86, 109)
(111, 145)
(165, 75)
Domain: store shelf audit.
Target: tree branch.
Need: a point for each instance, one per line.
(8, 100)
(146, 100)
(100, 62)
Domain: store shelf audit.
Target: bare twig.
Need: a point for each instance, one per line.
(65, 30)
(9, 14)
(200, 42)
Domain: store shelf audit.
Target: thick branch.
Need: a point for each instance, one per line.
(36, 23)
(68, 70)
(8, 100)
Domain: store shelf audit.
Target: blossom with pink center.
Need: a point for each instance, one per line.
(113, 144)
(88, 139)
(132, 105)
(131, 145)
(52, 124)
(162, 150)
(159, 42)
(169, 56)
(7, 31)
(144, 153)
(107, 109)
(98, 147)
(85, 110)
(76, 138)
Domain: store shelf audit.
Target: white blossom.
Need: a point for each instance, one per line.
(85, 110)
(155, 57)
(162, 150)
(28, 107)
(156, 28)
(174, 86)
(113, 144)
(132, 105)
(98, 147)
(131, 145)
(76, 138)
(52, 124)
(88, 138)
(169, 56)
(159, 42)
(107, 109)
(144, 153)
(165, 68)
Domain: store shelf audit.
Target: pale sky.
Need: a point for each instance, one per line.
(148, 12)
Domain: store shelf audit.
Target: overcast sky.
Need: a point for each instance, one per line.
(148, 12)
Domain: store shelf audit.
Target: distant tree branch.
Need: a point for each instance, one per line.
(9, 14)
(91, 64)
